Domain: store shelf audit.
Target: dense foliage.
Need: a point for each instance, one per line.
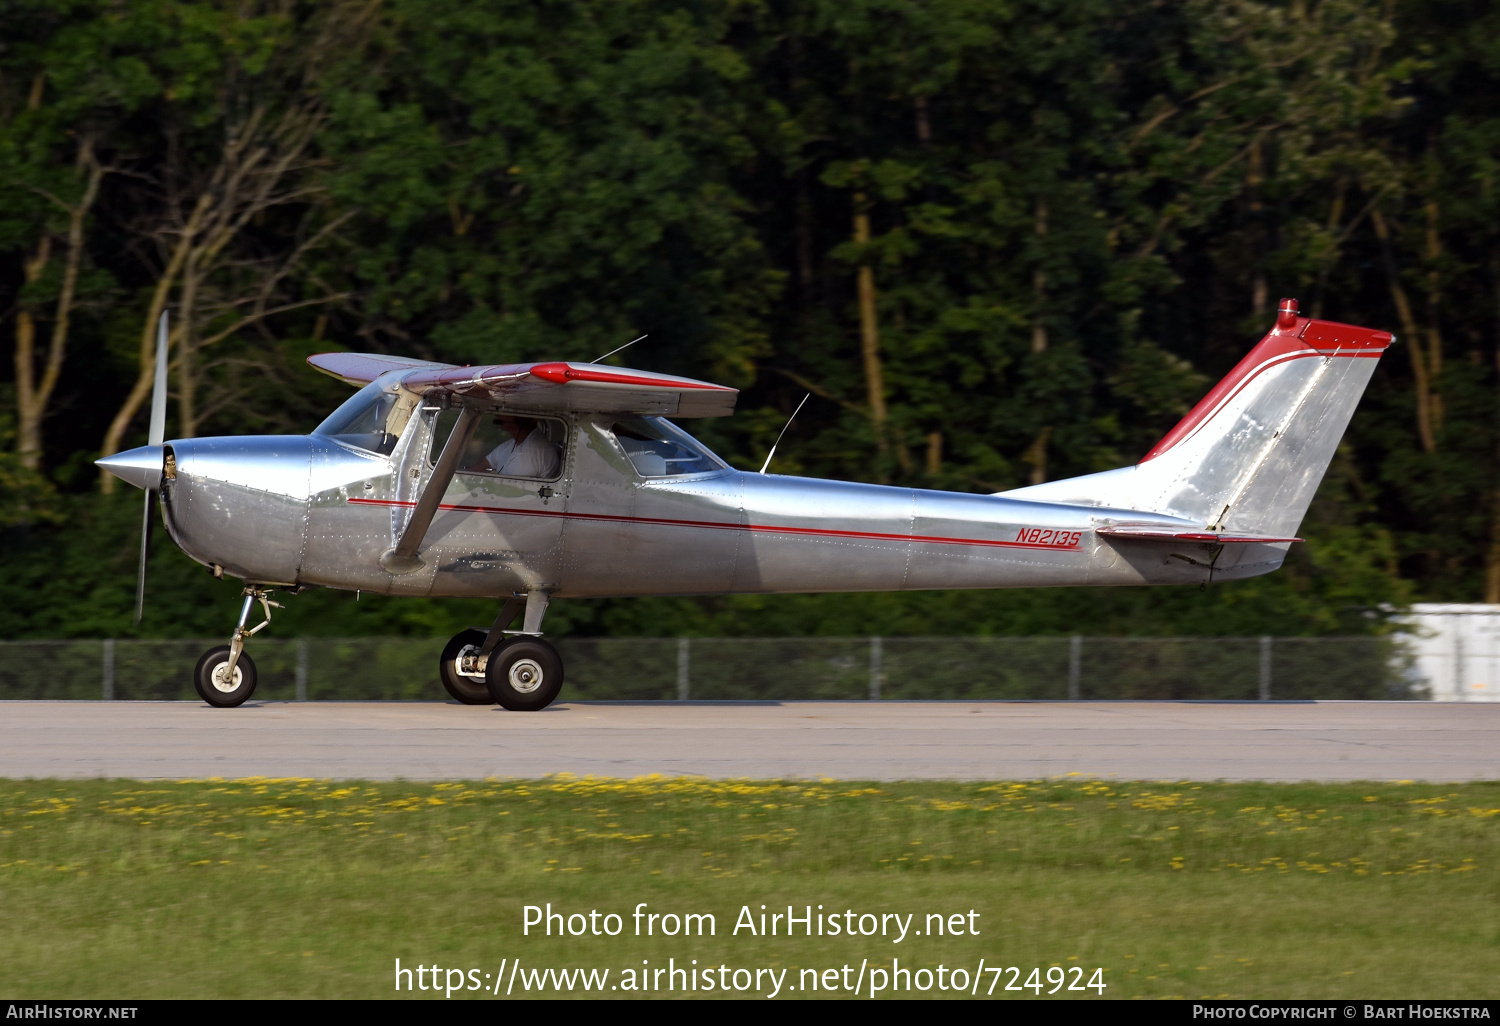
(999, 242)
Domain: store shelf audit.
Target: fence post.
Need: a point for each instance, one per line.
(301, 669)
(684, 688)
(1265, 667)
(1075, 666)
(877, 669)
(109, 669)
(1458, 662)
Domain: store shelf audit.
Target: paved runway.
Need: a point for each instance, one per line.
(844, 740)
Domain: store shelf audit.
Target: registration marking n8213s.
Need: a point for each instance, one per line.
(1050, 537)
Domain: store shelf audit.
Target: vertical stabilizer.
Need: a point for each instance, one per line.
(1248, 458)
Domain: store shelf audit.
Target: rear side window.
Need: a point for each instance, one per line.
(659, 448)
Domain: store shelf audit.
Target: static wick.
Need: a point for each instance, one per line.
(612, 352)
(783, 431)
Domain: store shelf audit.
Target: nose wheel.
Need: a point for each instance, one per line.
(225, 675)
(217, 683)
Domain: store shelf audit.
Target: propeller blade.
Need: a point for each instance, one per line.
(159, 387)
(156, 436)
(140, 581)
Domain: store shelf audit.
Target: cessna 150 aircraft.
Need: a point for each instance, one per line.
(530, 482)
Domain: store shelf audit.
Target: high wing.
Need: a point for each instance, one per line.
(542, 388)
(363, 368)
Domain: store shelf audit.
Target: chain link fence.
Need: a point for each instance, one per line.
(753, 669)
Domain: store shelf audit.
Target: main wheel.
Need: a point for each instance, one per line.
(466, 685)
(217, 689)
(524, 675)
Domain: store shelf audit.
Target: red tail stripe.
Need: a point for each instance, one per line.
(1309, 338)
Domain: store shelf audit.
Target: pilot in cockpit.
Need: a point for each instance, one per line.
(526, 454)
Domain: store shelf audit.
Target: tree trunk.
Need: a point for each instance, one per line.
(1037, 454)
(34, 395)
(806, 276)
(1434, 312)
(1325, 265)
(869, 336)
(1253, 179)
(934, 453)
(187, 373)
(29, 442)
(1039, 284)
(1420, 368)
(143, 380)
(1492, 557)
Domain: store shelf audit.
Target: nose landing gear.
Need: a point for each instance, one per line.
(516, 670)
(225, 675)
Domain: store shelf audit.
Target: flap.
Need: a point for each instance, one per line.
(1155, 532)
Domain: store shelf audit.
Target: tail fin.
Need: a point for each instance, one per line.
(1247, 459)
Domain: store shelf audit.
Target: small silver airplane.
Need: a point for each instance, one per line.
(530, 482)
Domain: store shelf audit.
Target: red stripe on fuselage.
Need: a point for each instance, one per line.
(712, 525)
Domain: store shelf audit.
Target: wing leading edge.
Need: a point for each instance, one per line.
(541, 388)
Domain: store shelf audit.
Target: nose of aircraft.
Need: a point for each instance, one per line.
(141, 467)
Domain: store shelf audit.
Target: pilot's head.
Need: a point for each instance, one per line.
(517, 427)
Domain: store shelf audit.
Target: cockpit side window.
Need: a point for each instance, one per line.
(659, 448)
(507, 445)
(372, 418)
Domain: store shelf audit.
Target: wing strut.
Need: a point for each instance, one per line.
(403, 559)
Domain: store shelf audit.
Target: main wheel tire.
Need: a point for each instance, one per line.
(524, 675)
(465, 688)
(209, 680)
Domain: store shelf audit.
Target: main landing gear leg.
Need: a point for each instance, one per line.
(225, 675)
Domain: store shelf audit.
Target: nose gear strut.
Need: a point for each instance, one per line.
(237, 641)
(225, 675)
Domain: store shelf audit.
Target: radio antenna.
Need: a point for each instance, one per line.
(783, 431)
(612, 352)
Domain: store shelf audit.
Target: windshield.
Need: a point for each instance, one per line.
(366, 420)
(659, 448)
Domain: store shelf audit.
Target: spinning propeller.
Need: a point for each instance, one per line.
(156, 437)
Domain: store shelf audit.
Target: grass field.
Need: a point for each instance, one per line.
(295, 888)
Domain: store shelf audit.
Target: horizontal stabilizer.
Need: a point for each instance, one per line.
(1154, 532)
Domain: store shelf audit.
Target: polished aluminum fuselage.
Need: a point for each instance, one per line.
(308, 510)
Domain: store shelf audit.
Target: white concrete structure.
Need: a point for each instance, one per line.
(1457, 650)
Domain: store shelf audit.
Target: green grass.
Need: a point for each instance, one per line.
(292, 888)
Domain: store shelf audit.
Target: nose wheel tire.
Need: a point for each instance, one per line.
(456, 669)
(524, 675)
(216, 687)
